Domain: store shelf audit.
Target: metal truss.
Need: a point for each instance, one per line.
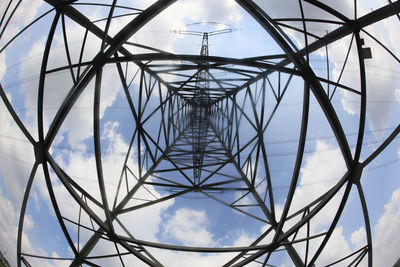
(199, 148)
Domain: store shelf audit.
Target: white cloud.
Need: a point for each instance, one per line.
(225, 10)
(25, 14)
(16, 161)
(8, 228)
(17, 156)
(359, 238)
(9, 219)
(291, 9)
(336, 248)
(321, 171)
(3, 66)
(397, 95)
(386, 239)
(158, 32)
(173, 17)
(82, 168)
(180, 259)
(243, 239)
(55, 92)
(350, 103)
(390, 24)
(27, 11)
(14, 168)
(380, 87)
(189, 227)
(143, 223)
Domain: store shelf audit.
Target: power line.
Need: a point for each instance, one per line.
(277, 154)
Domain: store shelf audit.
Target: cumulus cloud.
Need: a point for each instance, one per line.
(336, 248)
(56, 91)
(386, 241)
(358, 238)
(189, 227)
(8, 228)
(391, 26)
(180, 259)
(380, 86)
(321, 171)
(17, 159)
(17, 156)
(3, 66)
(82, 168)
(397, 95)
(291, 9)
(9, 218)
(159, 32)
(243, 239)
(25, 13)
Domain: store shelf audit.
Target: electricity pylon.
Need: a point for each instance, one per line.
(197, 139)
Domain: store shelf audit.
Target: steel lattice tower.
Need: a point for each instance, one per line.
(201, 101)
(193, 133)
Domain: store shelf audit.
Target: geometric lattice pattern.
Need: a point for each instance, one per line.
(185, 129)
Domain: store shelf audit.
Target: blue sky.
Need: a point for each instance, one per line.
(195, 219)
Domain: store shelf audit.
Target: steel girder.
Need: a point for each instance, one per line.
(230, 162)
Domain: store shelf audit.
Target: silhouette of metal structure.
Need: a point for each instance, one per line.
(210, 139)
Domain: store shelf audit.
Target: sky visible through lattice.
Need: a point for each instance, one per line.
(197, 219)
